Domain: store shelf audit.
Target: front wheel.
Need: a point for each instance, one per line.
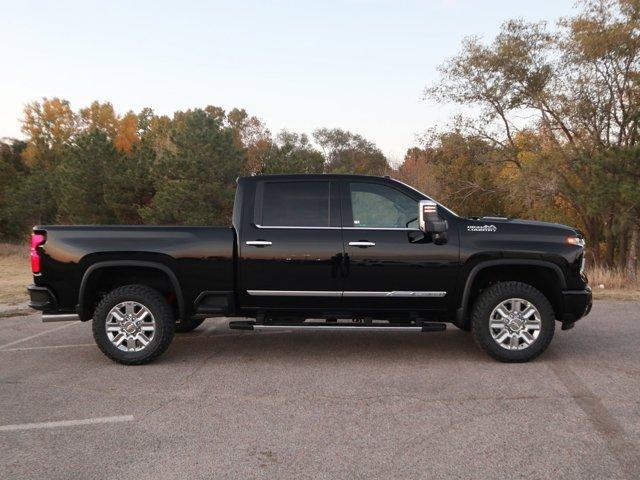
(512, 322)
(133, 324)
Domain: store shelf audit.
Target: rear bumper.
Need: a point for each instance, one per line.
(577, 304)
(41, 298)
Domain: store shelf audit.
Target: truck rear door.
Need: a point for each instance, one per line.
(290, 248)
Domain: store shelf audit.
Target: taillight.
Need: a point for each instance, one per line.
(37, 239)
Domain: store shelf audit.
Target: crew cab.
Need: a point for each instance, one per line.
(324, 252)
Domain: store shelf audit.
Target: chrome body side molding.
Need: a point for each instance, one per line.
(323, 293)
(294, 293)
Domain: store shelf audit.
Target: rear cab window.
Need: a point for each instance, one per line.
(294, 204)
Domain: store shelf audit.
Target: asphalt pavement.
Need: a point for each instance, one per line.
(322, 405)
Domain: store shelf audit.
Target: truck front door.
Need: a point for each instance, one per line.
(391, 265)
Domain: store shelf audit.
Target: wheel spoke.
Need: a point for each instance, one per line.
(503, 313)
(131, 343)
(527, 337)
(113, 327)
(515, 305)
(142, 313)
(532, 325)
(514, 341)
(501, 337)
(116, 314)
(144, 340)
(528, 312)
(128, 308)
(117, 341)
(497, 323)
(147, 327)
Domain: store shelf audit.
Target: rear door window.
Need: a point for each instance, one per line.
(296, 204)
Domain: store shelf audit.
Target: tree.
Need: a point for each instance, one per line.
(346, 152)
(579, 88)
(83, 179)
(13, 219)
(292, 153)
(197, 163)
(50, 126)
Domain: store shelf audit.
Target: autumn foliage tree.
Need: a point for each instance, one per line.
(560, 108)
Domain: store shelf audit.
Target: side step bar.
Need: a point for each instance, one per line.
(60, 317)
(426, 327)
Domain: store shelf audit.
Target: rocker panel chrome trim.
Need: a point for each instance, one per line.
(294, 293)
(395, 294)
(322, 293)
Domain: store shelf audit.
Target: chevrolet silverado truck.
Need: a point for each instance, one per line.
(316, 252)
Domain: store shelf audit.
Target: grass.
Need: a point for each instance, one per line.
(15, 275)
(613, 283)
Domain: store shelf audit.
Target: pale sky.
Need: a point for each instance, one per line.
(360, 65)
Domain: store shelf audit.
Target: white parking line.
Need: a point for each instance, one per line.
(37, 335)
(45, 347)
(74, 345)
(65, 423)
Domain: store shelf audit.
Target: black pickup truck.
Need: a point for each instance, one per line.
(324, 252)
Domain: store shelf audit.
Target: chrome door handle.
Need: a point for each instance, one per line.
(259, 243)
(362, 244)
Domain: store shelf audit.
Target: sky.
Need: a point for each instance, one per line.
(360, 65)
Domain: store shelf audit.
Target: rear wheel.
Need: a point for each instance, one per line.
(133, 324)
(513, 322)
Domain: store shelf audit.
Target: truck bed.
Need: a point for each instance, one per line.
(200, 257)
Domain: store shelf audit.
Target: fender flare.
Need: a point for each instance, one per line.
(130, 263)
(462, 310)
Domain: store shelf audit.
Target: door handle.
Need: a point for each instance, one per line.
(259, 243)
(362, 244)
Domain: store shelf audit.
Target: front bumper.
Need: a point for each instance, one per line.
(576, 304)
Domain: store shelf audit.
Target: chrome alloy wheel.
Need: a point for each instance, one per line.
(130, 326)
(515, 324)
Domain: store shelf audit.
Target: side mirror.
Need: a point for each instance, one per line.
(428, 217)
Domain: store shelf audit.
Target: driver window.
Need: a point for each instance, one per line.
(378, 206)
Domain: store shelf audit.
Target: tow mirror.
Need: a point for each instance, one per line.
(430, 222)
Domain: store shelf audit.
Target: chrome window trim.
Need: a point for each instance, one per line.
(296, 228)
(398, 229)
(334, 293)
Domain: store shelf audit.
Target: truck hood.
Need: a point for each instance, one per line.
(532, 230)
(529, 223)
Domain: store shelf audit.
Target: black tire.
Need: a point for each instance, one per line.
(494, 296)
(162, 314)
(190, 325)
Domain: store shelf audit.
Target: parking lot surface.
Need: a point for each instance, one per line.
(228, 404)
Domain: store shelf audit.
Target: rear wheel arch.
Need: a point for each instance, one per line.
(87, 299)
(544, 275)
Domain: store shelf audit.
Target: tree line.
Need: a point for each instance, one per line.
(552, 135)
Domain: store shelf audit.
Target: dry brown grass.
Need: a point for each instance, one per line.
(15, 273)
(612, 283)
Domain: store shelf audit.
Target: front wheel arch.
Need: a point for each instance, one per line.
(503, 270)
